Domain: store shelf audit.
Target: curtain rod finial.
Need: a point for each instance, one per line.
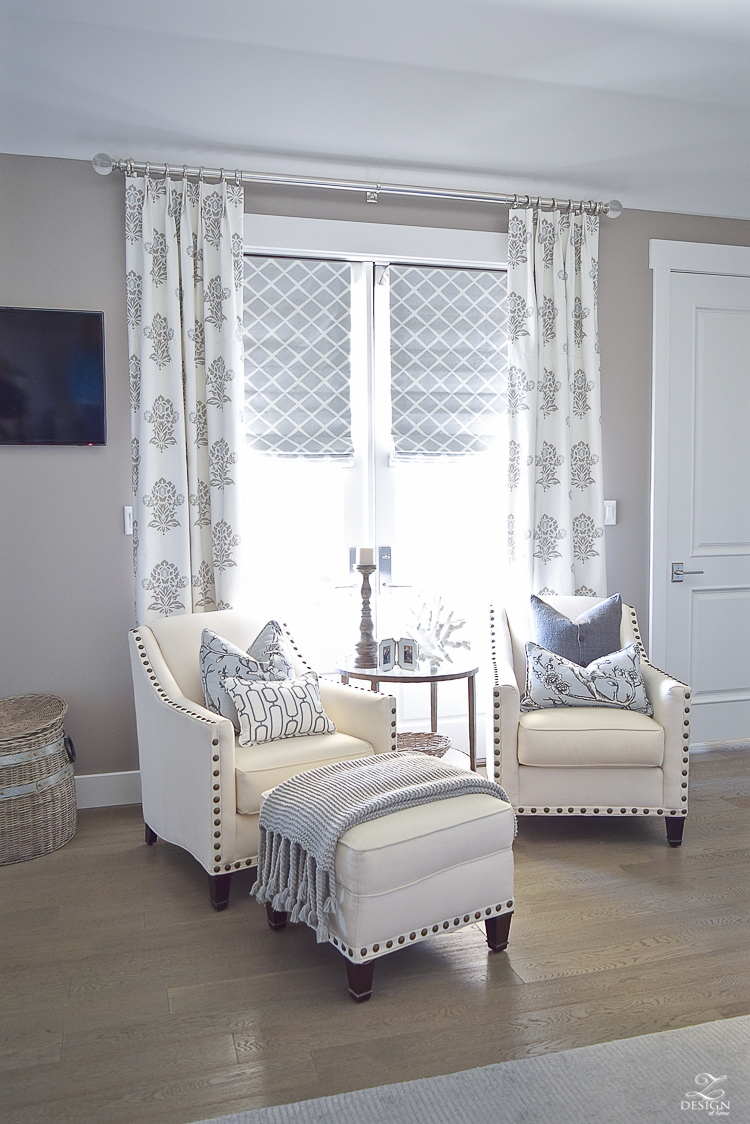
(613, 209)
(102, 163)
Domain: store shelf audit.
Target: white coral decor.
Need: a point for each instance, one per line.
(433, 629)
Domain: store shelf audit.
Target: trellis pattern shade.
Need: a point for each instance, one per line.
(555, 530)
(448, 359)
(296, 333)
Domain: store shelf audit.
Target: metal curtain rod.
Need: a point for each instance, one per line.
(104, 164)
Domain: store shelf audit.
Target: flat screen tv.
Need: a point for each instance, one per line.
(52, 377)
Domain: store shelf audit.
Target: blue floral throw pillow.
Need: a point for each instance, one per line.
(265, 659)
(614, 680)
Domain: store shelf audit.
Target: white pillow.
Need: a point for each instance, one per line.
(266, 658)
(614, 680)
(285, 708)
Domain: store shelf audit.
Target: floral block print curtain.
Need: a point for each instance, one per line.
(555, 531)
(184, 312)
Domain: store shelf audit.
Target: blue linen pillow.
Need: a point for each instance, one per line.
(594, 634)
(614, 680)
(265, 659)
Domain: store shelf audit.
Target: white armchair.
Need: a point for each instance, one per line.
(200, 789)
(589, 761)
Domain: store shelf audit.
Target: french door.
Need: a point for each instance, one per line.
(374, 394)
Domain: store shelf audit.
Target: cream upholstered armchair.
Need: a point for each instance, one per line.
(200, 789)
(590, 761)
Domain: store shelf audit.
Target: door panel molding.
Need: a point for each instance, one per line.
(665, 259)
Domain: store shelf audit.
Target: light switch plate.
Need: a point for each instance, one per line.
(127, 520)
(610, 513)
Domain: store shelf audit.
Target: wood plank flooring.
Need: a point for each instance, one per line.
(125, 998)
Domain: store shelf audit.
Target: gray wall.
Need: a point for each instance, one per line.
(65, 564)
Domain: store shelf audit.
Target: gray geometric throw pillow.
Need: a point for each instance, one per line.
(265, 659)
(288, 709)
(614, 680)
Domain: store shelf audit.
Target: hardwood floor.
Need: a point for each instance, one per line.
(125, 998)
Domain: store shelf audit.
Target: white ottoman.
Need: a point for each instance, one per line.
(416, 873)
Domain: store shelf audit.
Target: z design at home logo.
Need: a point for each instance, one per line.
(707, 1096)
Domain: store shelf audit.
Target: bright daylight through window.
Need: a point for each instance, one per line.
(374, 397)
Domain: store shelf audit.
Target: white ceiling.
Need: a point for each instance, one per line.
(644, 100)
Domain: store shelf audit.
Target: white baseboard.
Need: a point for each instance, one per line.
(103, 790)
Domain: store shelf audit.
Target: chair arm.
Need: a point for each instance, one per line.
(186, 759)
(670, 700)
(506, 699)
(363, 714)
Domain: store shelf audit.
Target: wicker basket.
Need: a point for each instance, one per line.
(37, 789)
(436, 744)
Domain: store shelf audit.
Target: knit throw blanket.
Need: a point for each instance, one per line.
(304, 817)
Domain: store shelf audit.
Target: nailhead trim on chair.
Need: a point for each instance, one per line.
(380, 948)
(216, 802)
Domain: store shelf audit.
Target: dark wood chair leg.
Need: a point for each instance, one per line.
(151, 836)
(218, 888)
(277, 919)
(675, 828)
(498, 929)
(359, 978)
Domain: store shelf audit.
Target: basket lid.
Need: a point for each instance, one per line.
(29, 714)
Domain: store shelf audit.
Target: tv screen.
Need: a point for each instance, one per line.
(51, 377)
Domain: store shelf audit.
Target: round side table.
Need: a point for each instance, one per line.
(421, 674)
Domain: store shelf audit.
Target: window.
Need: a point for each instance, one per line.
(374, 396)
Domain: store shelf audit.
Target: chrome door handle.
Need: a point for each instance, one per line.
(678, 573)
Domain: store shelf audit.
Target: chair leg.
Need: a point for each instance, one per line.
(276, 918)
(151, 836)
(359, 978)
(218, 888)
(498, 929)
(675, 828)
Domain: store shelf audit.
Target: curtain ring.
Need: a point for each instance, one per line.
(130, 166)
(554, 203)
(223, 176)
(200, 175)
(184, 171)
(148, 169)
(237, 177)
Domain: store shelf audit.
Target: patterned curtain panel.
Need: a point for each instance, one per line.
(448, 360)
(184, 312)
(554, 459)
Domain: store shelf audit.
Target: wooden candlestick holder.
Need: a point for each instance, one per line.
(367, 648)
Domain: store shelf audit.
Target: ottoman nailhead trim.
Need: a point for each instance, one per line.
(456, 920)
(400, 940)
(488, 912)
(424, 932)
(446, 924)
(412, 936)
(684, 811)
(596, 811)
(466, 918)
(389, 944)
(583, 810)
(217, 869)
(571, 809)
(559, 810)
(215, 757)
(623, 811)
(215, 741)
(477, 916)
(520, 809)
(376, 948)
(228, 866)
(645, 811)
(509, 904)
(660, 811)
(546, 809)
(363, 952)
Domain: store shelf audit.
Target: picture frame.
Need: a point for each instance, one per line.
(387, 654)
(407, 654)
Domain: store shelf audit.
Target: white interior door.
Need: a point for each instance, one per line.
(700, 620)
